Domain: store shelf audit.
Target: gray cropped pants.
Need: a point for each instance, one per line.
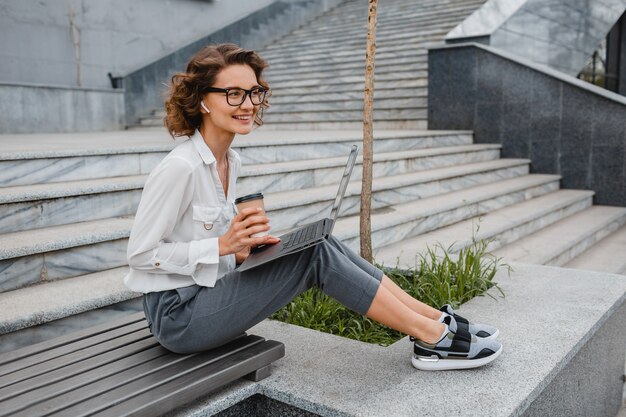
(195, 318)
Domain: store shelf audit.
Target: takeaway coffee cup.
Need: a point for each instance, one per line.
(251, 200)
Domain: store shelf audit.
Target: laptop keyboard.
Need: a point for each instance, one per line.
(302, 235)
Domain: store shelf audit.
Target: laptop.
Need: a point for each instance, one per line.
(304, 236)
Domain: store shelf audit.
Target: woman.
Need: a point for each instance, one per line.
(187, 237)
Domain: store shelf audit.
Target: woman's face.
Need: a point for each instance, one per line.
(223, 116)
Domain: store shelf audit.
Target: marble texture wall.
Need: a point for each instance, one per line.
(561, 34)
(57, 109)
(564, 125)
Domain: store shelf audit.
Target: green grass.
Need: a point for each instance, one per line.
(438, 278)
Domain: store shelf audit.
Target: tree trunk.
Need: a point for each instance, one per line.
(368, 135)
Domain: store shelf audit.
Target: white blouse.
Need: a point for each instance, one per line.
(182, 213)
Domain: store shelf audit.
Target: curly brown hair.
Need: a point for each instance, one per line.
(182, 103)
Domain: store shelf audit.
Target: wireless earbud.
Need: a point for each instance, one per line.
(204, 107)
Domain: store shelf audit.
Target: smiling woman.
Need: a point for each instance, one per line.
(188, 237)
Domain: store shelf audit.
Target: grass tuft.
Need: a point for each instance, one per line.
(440, 277)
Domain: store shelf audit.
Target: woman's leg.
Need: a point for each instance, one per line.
(209, 317)
(415, 305)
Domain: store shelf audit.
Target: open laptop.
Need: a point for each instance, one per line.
(304, 236)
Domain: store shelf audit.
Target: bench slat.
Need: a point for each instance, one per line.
(92, 386)
(73, 357)
(16, 396)
(59, 351)
(10, 357)
(191, 386)
(126, 388)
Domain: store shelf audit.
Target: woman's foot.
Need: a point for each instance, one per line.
(481, 330)
(456, 350)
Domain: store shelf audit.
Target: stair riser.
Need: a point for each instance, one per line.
(415, 84)
(505, 237)
(420, 124)
(303, 151)
(346, 96)
(341, 70)
(52, 212)
(38, 171)
(393, 80)
(348, 59)
(410, 40)
(586, 243)
(35, 171)
(325, 176)
(303, 58)
(423, 24)
(387, 25)
(344, 40)
(33, 269)
(351, 105)
(284, 219)
(396, 233)
(399, 115)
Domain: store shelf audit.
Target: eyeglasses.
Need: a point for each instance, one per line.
(236, 96)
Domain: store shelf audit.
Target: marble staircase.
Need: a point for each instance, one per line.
(67, 201)
(317, 72)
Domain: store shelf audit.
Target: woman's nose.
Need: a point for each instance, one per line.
(247, 103)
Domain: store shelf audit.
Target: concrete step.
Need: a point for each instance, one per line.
(291, 208)
(420, 69)
(418, 93)
(55, 300)
(346, 105)
(49, 158)
(416, 85)
(307, 57)
(351, 57)
(387, 20)
(347, 67)
(393, 80)
(608, 255)
(501, 227)
(402, 221)
(409, 39)
(421, 19)
(318, 172)
(410, 29)
(42, 205)
(408, 124)
(47, 254)
(399, 115)
(563, 241)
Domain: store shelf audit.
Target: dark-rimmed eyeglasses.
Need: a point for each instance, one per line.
(236, 96)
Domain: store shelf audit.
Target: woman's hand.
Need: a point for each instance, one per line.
(237, 238)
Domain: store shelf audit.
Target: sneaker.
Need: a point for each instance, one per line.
(481, 330)
(456, 350)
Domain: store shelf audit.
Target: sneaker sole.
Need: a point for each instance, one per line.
(436, 364)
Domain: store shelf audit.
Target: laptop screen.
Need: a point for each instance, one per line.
(344, 183)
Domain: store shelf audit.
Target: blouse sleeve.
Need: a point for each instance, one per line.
(166, 196)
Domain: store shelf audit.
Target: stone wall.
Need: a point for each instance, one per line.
(37, 44)
(564, 125)
(38, 108)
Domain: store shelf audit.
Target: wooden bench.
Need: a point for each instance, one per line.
(119, 369)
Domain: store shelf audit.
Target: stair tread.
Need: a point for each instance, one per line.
(46, 239)
(544, 245)
(35, 146)
(605, 256)
(289, 166)
(490, 225)
(284, 199)
(33, 192)
(400, 213)
(37, 304)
